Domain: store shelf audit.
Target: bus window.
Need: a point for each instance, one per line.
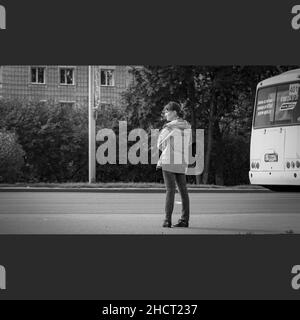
(265, 107)
(287, 106)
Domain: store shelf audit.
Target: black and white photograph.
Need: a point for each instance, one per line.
(149, 157)
(144, 149)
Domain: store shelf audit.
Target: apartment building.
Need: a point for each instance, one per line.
(63, 84)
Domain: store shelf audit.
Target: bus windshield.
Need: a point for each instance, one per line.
(277, 105)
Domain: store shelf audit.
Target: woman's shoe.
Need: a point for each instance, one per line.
(167, 224)
(181, 224)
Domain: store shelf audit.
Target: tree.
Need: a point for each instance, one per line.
(219, 99)
(205, 92)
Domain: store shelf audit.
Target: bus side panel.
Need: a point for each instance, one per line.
(292, 143)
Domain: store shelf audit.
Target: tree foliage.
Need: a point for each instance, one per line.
(50, 141)
(54, 138)
(218, 99)
(11, 157)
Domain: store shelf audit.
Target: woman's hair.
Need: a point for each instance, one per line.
(174, 106)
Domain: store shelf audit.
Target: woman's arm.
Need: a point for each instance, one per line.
(163, 137)
(179, 124)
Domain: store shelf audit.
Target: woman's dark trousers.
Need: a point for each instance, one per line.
(170, 179)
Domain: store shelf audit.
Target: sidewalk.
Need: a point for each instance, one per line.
(123, 187)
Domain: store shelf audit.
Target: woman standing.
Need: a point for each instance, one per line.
(174, 140)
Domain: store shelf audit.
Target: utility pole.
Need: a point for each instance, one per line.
(92, 126)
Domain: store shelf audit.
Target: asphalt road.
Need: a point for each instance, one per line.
(142, 213)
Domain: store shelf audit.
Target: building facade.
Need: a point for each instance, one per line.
(63, 84)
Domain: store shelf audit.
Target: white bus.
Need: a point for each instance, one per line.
(275, 136)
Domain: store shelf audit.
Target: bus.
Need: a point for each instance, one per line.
(275, 135)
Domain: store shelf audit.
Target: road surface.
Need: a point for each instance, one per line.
(142, 213)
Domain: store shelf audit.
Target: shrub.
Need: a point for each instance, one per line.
(54, 138)
(11, 157)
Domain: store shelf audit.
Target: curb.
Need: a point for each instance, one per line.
(129, 190)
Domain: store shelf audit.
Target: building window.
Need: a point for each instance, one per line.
(107, 78)
(66, 76)
(38, 75)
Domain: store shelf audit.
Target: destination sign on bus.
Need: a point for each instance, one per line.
(294, 88)
(288, 106)
(265, 107)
